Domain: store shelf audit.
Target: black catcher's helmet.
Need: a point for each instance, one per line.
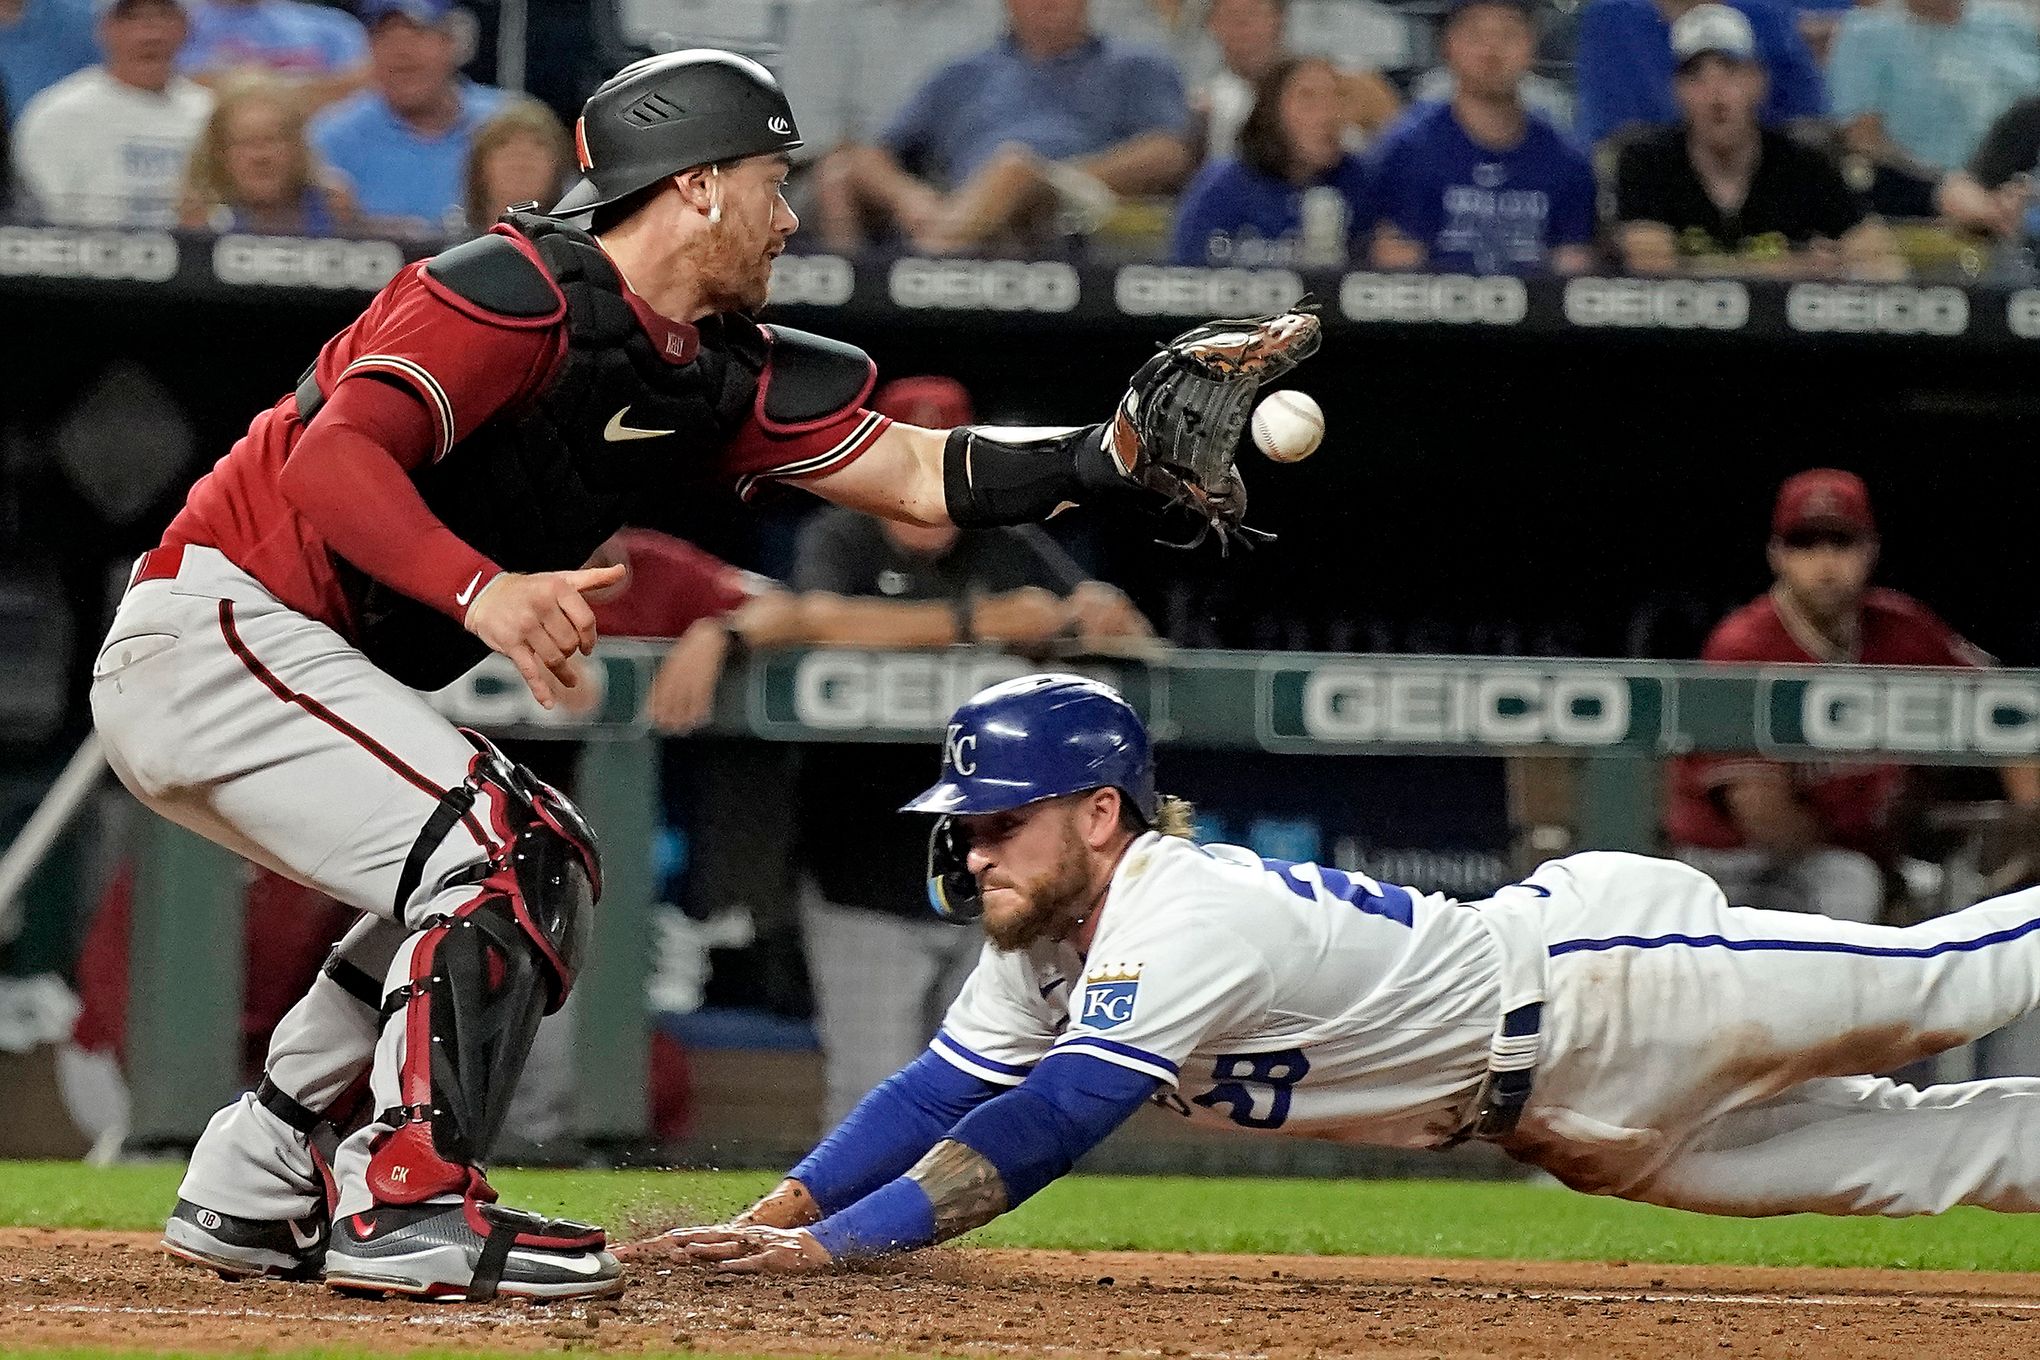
(670, 113)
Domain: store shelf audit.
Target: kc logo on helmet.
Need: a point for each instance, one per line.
(960, 750)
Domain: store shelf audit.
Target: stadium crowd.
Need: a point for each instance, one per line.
(1805, 139)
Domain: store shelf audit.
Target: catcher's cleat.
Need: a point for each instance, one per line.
(462, 1250)
(248, 1248)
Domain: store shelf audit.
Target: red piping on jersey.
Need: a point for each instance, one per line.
(335, 721)
(772, 426)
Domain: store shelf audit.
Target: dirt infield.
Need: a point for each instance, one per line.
(76, 1288)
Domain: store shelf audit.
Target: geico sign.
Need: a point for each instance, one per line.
(1452, 299)
(846, 691)
(1986, 716)
(1150, 290)
(493, 694)
(1669, 304)
(813, 280)
(984, 285)
(55, 253)
(1866, 309)
(2022, 313)
(294, 262)
(1485, 707)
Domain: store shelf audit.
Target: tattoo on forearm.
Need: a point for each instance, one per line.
(966, 1189)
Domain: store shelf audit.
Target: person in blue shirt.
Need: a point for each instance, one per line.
(1293, 194)
(1624, 65)
(1051, 119)
(41, 42)
(1482, 184)
(321, 50)
(402, 144)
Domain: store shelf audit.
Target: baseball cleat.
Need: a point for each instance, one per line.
(458, 1250)
(247, 1248)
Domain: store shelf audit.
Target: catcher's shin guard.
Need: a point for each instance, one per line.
(479, 982)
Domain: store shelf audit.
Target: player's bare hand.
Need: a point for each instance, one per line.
(539, 621)
(1104, 611)
(744, 1248)
(683, 692)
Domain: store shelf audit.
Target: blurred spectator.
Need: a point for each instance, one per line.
(1995, 192)
(1624, 65)
(1293, 195)
(1249, 36)
(252, 171)
(521, 155)
(41, 42)
(1813, 837)
(321, 50)
(850, 63)
(1051, 117)
(106, 145)
(1482, 184)
(403, 143)
(1916, 84)
(1721, 193)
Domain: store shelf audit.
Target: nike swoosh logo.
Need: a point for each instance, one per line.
(580, 1265)
(306, 1238)
(468, 594)
(616, 432)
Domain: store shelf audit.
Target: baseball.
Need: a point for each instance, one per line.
(1288, 426)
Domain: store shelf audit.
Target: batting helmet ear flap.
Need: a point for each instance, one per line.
(952, 888)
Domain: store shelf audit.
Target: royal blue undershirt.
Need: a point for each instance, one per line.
(1031, 1134)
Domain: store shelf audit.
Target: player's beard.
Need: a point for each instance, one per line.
(736, 275)
(1049, 903)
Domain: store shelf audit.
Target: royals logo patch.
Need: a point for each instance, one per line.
(1109, 996)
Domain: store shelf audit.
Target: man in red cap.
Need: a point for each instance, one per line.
(1813, 836)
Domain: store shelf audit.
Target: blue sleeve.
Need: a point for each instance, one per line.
(1575, 200)
(910, 133)
(1152, 99)
(891, 1128)
(1600, 71)
(1031, 1135)
(1852, 68)
(1795, 80)
(1400, 194)
(1202, 214)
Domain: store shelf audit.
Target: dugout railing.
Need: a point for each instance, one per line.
(1607, 724)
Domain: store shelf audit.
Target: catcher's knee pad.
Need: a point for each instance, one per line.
(479, 982)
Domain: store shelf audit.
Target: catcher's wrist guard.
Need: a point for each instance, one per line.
(995, 476)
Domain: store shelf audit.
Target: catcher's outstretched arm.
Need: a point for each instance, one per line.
(976, 475)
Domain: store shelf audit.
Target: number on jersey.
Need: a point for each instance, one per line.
(1358, 889)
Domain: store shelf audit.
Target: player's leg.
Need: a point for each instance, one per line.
(868, 980)
(266, 731)
(1862, 1145)
(254, 1200)
(1668, 1008)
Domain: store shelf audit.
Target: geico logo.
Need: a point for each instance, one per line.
(1868, 309)
(1990, 717)
(2022, 313)
(815, 280)
(1149, 290)
(1493, 707)
(55, 253)
(1670, 304)
(846, 691)
(1455, 299)
(989, 285)
(493, 694)
(294, 262)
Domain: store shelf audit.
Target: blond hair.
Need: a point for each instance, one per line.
(521, 116)
(1173, 817)
(208, 187)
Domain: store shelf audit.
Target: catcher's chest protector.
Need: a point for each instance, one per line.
(540, 488)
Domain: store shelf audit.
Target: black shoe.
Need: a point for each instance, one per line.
(241, 1248)
(466, 1250)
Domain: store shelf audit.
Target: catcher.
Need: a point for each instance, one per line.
(1611, 1019)
(431, 492)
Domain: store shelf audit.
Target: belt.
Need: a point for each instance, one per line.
(1511, 1074)
(157, 564)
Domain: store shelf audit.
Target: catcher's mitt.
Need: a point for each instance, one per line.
(1178, 427)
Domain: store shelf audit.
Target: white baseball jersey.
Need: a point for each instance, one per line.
(1269, 995)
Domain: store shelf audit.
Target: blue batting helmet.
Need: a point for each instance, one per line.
(1036, 737)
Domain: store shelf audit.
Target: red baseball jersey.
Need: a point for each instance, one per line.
(1852, 800)
(671, 585)
(464, 368)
